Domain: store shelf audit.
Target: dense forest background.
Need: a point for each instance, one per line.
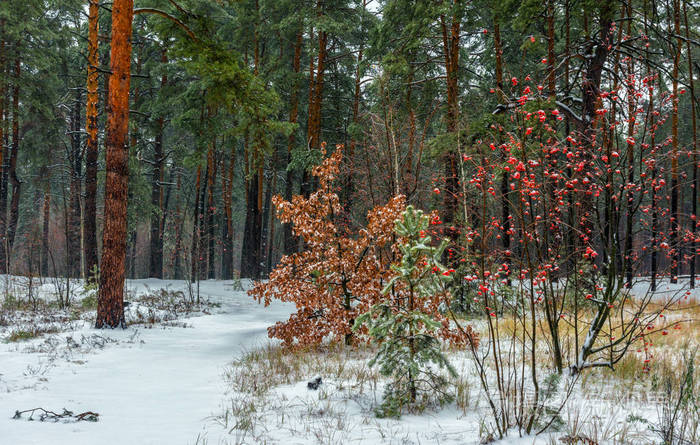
(232, 102)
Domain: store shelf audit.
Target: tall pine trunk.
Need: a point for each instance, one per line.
(16, 184)
(110, 305)
(211, 209)
(178, 222)
(450, 41)
(46, 210)
(3, 155)
(74, 209)
(675, 210)
(92, 150)
(694, 206)
(195, 255)
(227, 237)
(290, 243)
(158, 210)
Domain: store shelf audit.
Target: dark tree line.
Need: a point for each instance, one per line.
(151, 137)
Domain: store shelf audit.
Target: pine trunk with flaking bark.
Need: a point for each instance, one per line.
(212, 165)
(177, 224)
(227, 237)
(158, 210)
(195, 255)
(267, 222)
(450, 39)
(674, 237)
(252, 249)
(652, 144)
(629, 217)
(315, 116)
(271, 224)
(505, 179)
(409, 181)
(14, 180)
(46, 211)
(350, 178)
(250, 256)
(74, 211)
(290, 244)
(694, 206)
(3, 158)
(110, 306)
(551, 68)
(594, 67)
(92, 150)
(305, 186)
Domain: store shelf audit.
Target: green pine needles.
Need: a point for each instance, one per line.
(409, 350)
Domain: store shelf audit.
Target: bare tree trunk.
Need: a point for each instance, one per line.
(179, 221)
(505, 179)
(227, 237)
(629, 224)
(675, 211)
(450, 40)
(250, 254)
(290, 243)
(196, 227)
(211, 209)
(3, 158)
(694, 212)
(44, 260)
(158, 213)
(350, 179)
(74, 210)
(110, 306)
(16, 184)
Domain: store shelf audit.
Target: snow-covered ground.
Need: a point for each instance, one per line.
(171, 383)
(156, 385)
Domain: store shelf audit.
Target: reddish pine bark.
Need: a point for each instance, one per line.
(92, 150)
(110, 306)
(290, 243)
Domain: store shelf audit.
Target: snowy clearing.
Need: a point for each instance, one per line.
(150, 385)
(173, 382)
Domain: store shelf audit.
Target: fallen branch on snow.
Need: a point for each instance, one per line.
(66, 416)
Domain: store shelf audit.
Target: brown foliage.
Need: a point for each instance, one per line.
(337, 276)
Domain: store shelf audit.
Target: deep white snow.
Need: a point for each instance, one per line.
(151, 386)
(164, 385)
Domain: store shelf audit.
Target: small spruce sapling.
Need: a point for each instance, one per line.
(401, 323)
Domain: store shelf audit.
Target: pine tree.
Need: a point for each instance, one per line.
(403, 324)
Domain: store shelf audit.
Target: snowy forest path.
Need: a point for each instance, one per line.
(150, 385)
